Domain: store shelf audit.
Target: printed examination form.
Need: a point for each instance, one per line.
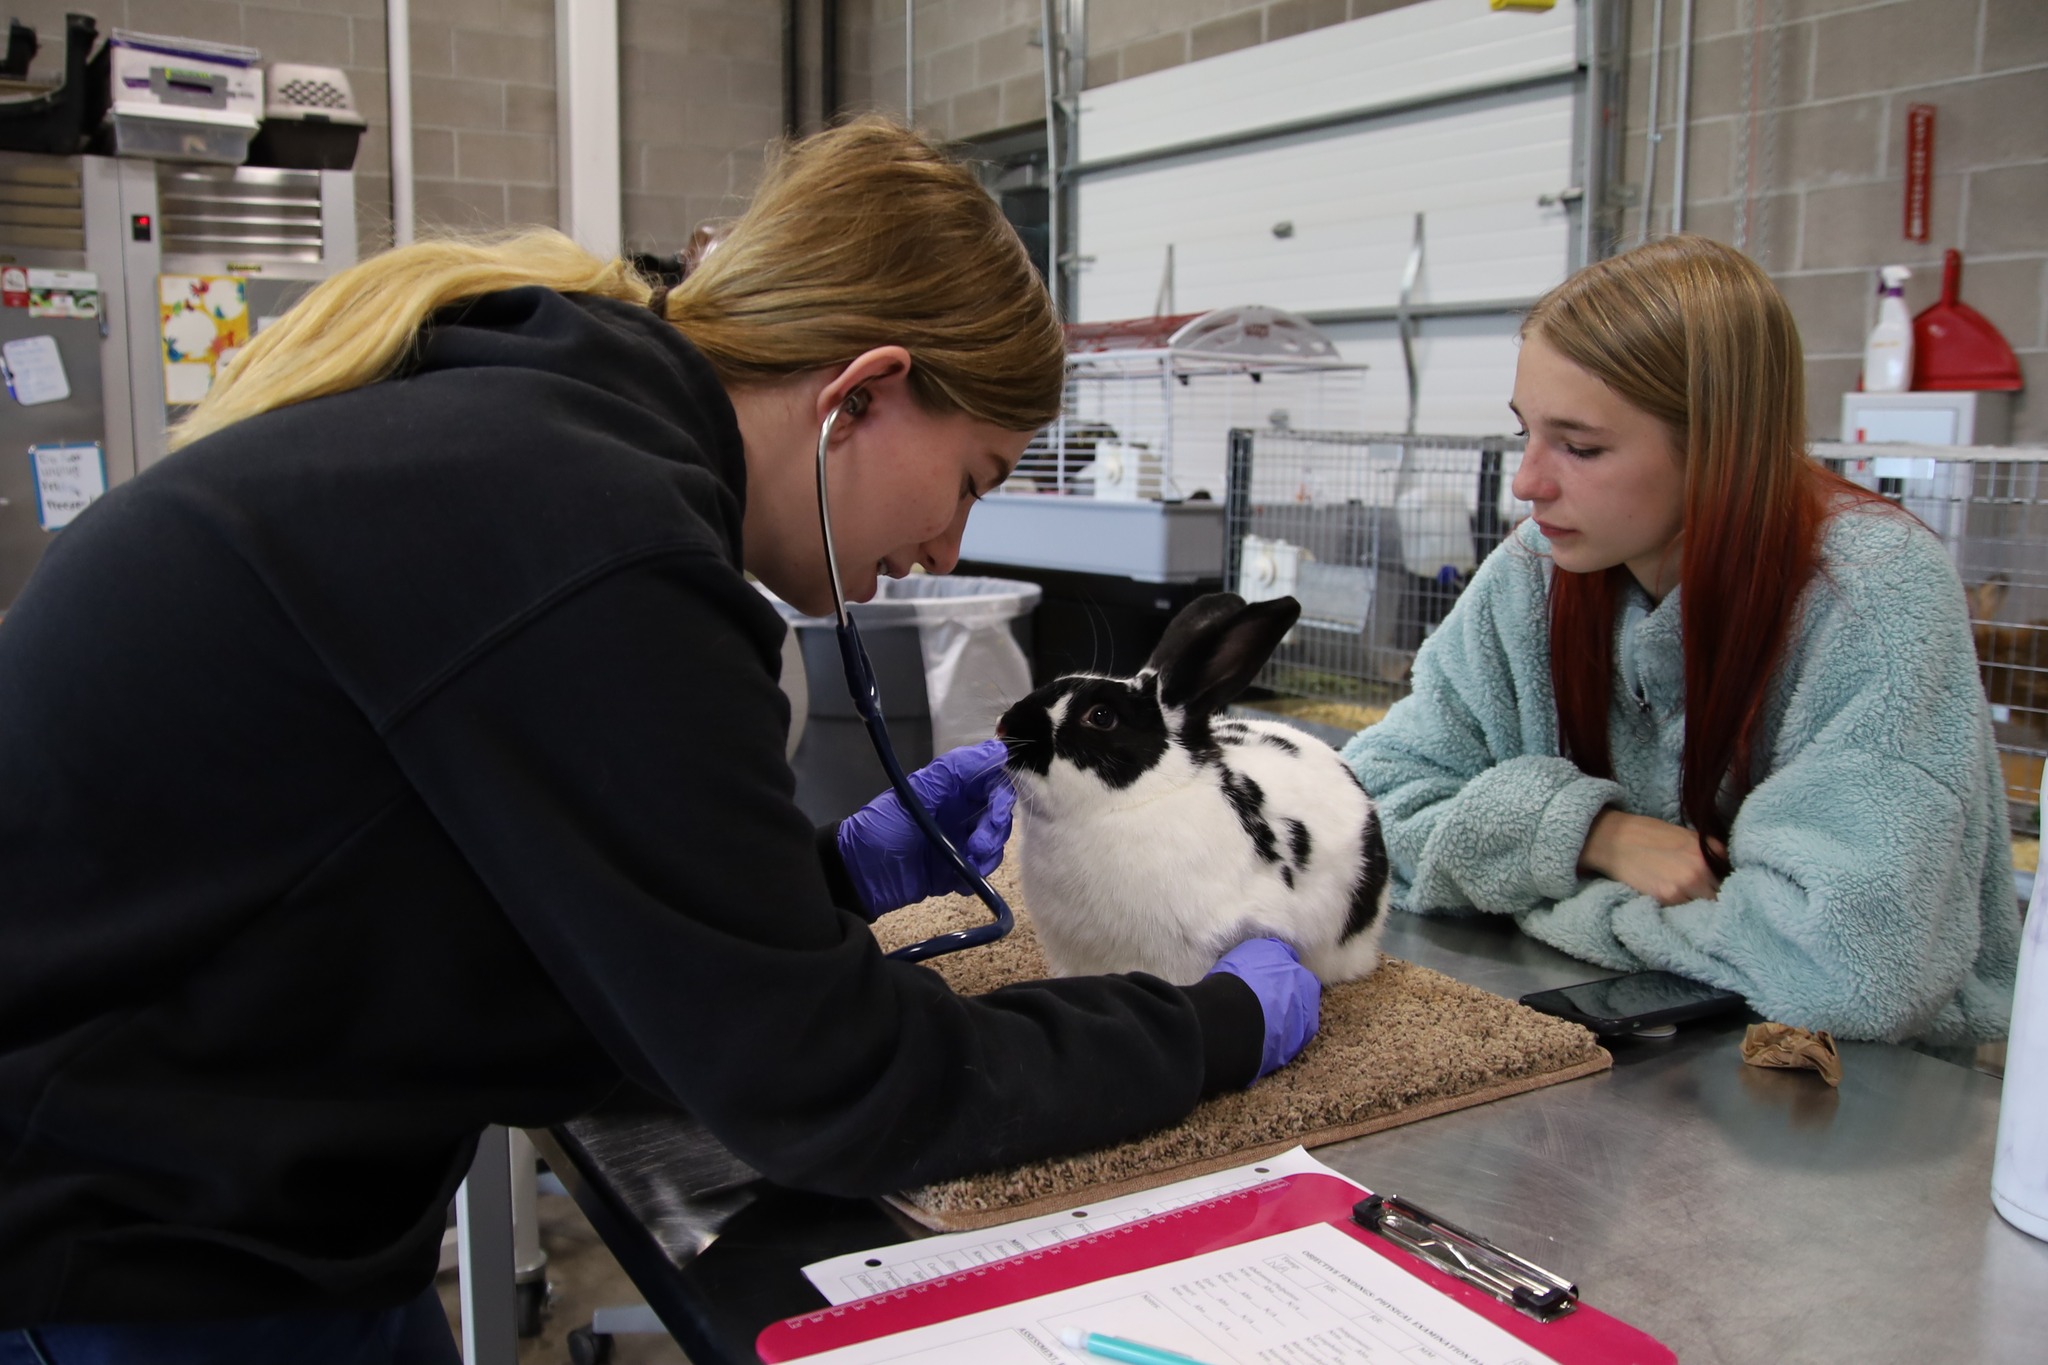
(1312, 1296)
(859, 1274)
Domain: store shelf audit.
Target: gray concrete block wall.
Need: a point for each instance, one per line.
(978, 66)
(979, 69)
(483, 98)
(700, 100)
(1806, 173)
(1129, 38)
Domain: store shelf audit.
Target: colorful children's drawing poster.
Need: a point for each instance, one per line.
(205, 322)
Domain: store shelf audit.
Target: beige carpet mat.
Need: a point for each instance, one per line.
(1404, 1044)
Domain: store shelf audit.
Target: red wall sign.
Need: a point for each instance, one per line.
(1919, 169)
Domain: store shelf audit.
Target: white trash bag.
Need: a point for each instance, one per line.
(973, 666)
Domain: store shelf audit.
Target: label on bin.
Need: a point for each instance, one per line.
(63, 294)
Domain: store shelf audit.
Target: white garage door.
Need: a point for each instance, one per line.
(1290, 174)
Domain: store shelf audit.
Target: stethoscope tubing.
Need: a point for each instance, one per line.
(867, 699)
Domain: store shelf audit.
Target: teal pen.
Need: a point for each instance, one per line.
(1116, 1348)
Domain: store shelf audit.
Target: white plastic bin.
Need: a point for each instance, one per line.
(179, 99)
(948, 661)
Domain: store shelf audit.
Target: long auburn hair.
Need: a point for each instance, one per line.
(1695, 334)
(867, 234)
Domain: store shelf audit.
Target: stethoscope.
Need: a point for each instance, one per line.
(860, 682)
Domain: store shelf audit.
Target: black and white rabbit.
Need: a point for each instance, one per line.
(1157, 833)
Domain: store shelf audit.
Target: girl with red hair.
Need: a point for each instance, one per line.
(1711, 709)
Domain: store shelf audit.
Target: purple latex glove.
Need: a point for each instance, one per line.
(891, 862)
(1289, 993)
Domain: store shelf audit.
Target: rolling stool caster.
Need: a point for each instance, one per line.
(589, 1348)
(592, 1345)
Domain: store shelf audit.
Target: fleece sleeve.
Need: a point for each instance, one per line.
(1839, 914)
(613, 770)
(1871, 879)
(1477, 810)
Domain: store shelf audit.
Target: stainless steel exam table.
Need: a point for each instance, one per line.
(1737, 1214)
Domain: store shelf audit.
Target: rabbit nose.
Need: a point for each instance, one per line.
(1001, 733)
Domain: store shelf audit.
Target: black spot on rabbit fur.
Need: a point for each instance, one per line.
(1199, 737)
(1372, 880)
(1248, 799)
(1123, 753)
(1298, 843)
(1280, 742)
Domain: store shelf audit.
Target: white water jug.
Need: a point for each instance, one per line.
(2019, 1171)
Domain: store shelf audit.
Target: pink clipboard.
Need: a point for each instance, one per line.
(1585, 1336)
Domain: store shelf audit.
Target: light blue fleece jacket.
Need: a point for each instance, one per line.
(1872, 887)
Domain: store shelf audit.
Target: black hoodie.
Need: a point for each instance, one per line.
(410, 760)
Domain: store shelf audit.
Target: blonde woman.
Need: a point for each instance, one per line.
(404, 755)
(1711, 709)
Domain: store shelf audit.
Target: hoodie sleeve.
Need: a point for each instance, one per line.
(1871, 893)
(1478, 811)
(612, 768)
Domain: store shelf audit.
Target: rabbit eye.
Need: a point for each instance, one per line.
(1099, 718)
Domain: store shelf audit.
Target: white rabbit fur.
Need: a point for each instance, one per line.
(1205, 831)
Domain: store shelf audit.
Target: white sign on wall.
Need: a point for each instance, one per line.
(69, 478)
(34, 370)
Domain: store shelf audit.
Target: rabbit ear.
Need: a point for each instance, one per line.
(1200, 615)
(1216, 646)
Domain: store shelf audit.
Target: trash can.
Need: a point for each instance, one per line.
(950, 654)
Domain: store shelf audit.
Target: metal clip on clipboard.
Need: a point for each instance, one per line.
(1523, 1284)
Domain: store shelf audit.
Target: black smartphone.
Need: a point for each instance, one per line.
(1617, 1006)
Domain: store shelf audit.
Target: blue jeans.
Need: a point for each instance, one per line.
(416, 1334)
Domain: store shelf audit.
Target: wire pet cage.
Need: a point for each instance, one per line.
(1376, 535)
(1989, 506)
(1150, 402)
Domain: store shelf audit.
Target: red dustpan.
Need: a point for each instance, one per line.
(1955, 346)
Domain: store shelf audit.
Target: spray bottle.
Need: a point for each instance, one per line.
(1888, 354)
